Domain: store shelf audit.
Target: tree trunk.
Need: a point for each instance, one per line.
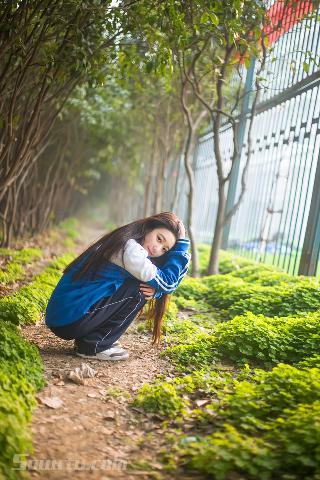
(213, 267)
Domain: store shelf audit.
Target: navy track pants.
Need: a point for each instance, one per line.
(106, 320)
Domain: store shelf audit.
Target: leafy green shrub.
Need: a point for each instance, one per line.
(23, 256)
(13, 270)
(69, 226)
(267, 428)
(223, 291)
(11, 274)
(182, 331)
(268, 340)
(253, 272)
(161, 398)
(237, 296)
(16, 404)
(268, 394)
(229, 262)
(18, 310)
(20, 355)
(280, 300)
(224, 454)
(309, 362)
(248, 338)
(26, 305)
(191, 289)
(21, 376)
(187, 357)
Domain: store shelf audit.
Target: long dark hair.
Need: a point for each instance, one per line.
(100, 252)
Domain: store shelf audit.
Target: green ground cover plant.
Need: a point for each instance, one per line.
(21, 376)
(248, 380)
(254, 339)
(235, 295)
(13, 262)
(264, 427)
(27, 304)
(22, 371)
(263, 424)
(228, 262)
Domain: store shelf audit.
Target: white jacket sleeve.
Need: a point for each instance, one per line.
(136, 262)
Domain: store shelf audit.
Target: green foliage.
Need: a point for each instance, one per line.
(11, 274)
(20, 355)
(26, 305)
(15, 259)
(268, 395)
(161, 398)
(268, 340)
(192, 290)
(228, 262)
(190, 356)
(268, 428)
(16, 403)
(69, 227)
(21, 376)
(260, 273)
(247, 339)
(309, 362)
(182, 331)
(226, 453)
(275, 294)
(282, 299)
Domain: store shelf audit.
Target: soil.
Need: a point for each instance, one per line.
(89, 425)
(91, 430)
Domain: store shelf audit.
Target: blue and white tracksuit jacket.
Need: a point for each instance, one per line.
(71, 299)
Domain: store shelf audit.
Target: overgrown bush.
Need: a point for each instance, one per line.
(266, 428)
(258, 423)
(21, 376)
(26, 305)
(20, 355)
(14, 260)
(161, 398)
(236, 296)
(253, 339)
(228, 262)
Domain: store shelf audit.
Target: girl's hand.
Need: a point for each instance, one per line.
(182, 230)
(147, 290)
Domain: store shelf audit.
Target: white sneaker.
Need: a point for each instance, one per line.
(116, 344)
(112, 353)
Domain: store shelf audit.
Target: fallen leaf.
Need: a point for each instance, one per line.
(80, 373)
(109, 415)
(76, 378)
(200, 403)
(52, 402)
(92, 395)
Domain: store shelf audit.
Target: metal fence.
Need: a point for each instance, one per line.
(278, 220)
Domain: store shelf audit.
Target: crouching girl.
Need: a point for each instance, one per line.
(102, 291)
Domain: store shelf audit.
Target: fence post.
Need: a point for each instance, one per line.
(311, 244)
(240, 139)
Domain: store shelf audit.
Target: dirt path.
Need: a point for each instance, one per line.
(93, 426)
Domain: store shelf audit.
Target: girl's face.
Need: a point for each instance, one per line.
(158, 241)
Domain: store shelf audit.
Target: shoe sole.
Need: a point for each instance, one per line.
(94, 357)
